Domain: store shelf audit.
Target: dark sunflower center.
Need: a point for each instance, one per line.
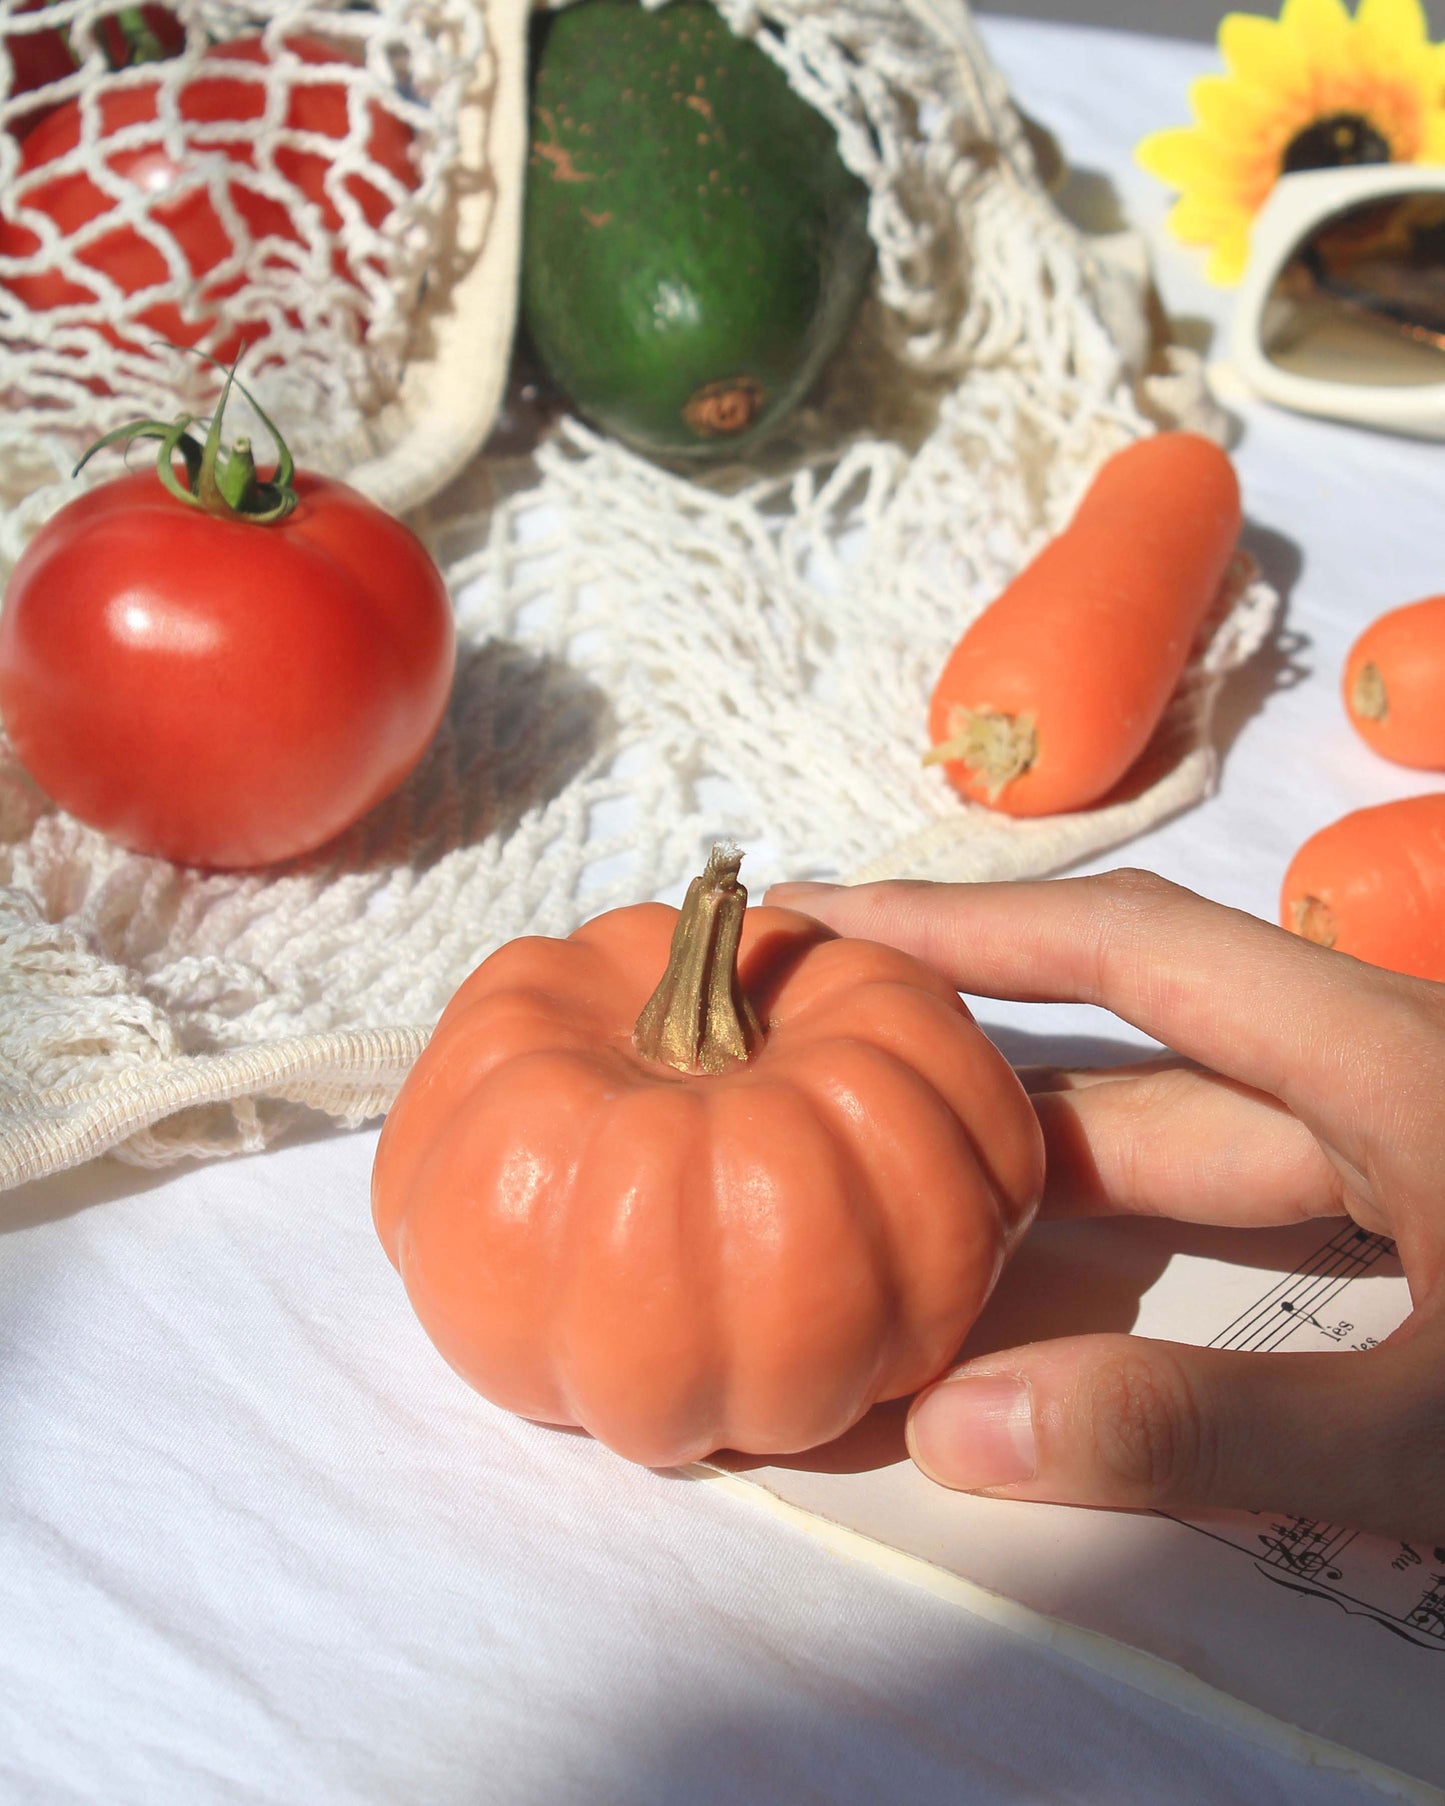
(1335, 141)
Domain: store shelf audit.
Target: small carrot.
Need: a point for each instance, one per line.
(1373, 884)
(1395, 684)
(1054, 691)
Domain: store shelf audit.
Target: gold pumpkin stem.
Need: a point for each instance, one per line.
(698, 1020)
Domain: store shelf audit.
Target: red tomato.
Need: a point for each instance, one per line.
(216, 691)
(181, 186)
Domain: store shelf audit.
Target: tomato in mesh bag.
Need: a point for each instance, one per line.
(234, 218)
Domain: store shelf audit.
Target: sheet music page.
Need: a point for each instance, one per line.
(1338, 1633)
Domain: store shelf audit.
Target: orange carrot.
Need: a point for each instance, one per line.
(1395, 684)
(1373, 884)
(1054, 691)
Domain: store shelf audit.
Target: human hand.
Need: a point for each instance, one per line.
(1311, 1085)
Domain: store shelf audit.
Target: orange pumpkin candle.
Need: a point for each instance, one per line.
(733, 1208)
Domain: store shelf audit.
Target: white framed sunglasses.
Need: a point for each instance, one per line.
(1342, 309)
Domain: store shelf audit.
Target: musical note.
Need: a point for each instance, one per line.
(1365, 1577)
(1429, 1614)
(1298, 1298)
(1306, 1548)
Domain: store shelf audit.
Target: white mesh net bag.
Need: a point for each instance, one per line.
(648, 660)
(336, 189)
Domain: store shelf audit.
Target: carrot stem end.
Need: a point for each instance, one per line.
(991, 745)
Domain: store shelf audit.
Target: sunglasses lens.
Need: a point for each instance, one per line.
(1362, 297)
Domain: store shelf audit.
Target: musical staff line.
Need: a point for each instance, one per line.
(1420, 1624)
(1396, 1585)
(1296, 1297)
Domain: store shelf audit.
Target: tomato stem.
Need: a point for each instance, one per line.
(139, 43)
(223, 482)
(699, 1019)
(237, 476)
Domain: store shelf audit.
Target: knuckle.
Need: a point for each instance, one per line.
(1147, 1431)
(1135, 1110)
(1414, 1008)
(1427, 1011)
(1129, 908)
(1132, 888)
(1432, 1001)
(1395, 1068)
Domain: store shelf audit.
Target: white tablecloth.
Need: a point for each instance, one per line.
(257, 1544)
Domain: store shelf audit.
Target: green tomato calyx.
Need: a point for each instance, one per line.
(222, 480)
(141, 44)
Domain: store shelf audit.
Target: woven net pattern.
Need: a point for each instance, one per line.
(302, 223)
(650, 660)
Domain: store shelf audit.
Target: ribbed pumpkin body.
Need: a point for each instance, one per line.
(679, 1263)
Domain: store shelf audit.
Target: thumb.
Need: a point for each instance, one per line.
(1353, 1439)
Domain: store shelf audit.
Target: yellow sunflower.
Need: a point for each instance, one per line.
(1313, 90)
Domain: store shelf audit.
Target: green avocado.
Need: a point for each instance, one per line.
(694, 248)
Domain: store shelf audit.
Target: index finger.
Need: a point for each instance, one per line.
(1217, 985)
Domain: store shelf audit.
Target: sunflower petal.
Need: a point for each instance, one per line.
(1178, 156)
(1194, 224)
(1182, 225)
(1322, 40)
(1396, 30)
(1229, 258)
(1315, 24)
(1431, 148)
(1397, 70)
(1228, 109)
(1197, 220)
(1256, 50)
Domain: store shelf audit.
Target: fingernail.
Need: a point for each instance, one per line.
(972, 1432)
